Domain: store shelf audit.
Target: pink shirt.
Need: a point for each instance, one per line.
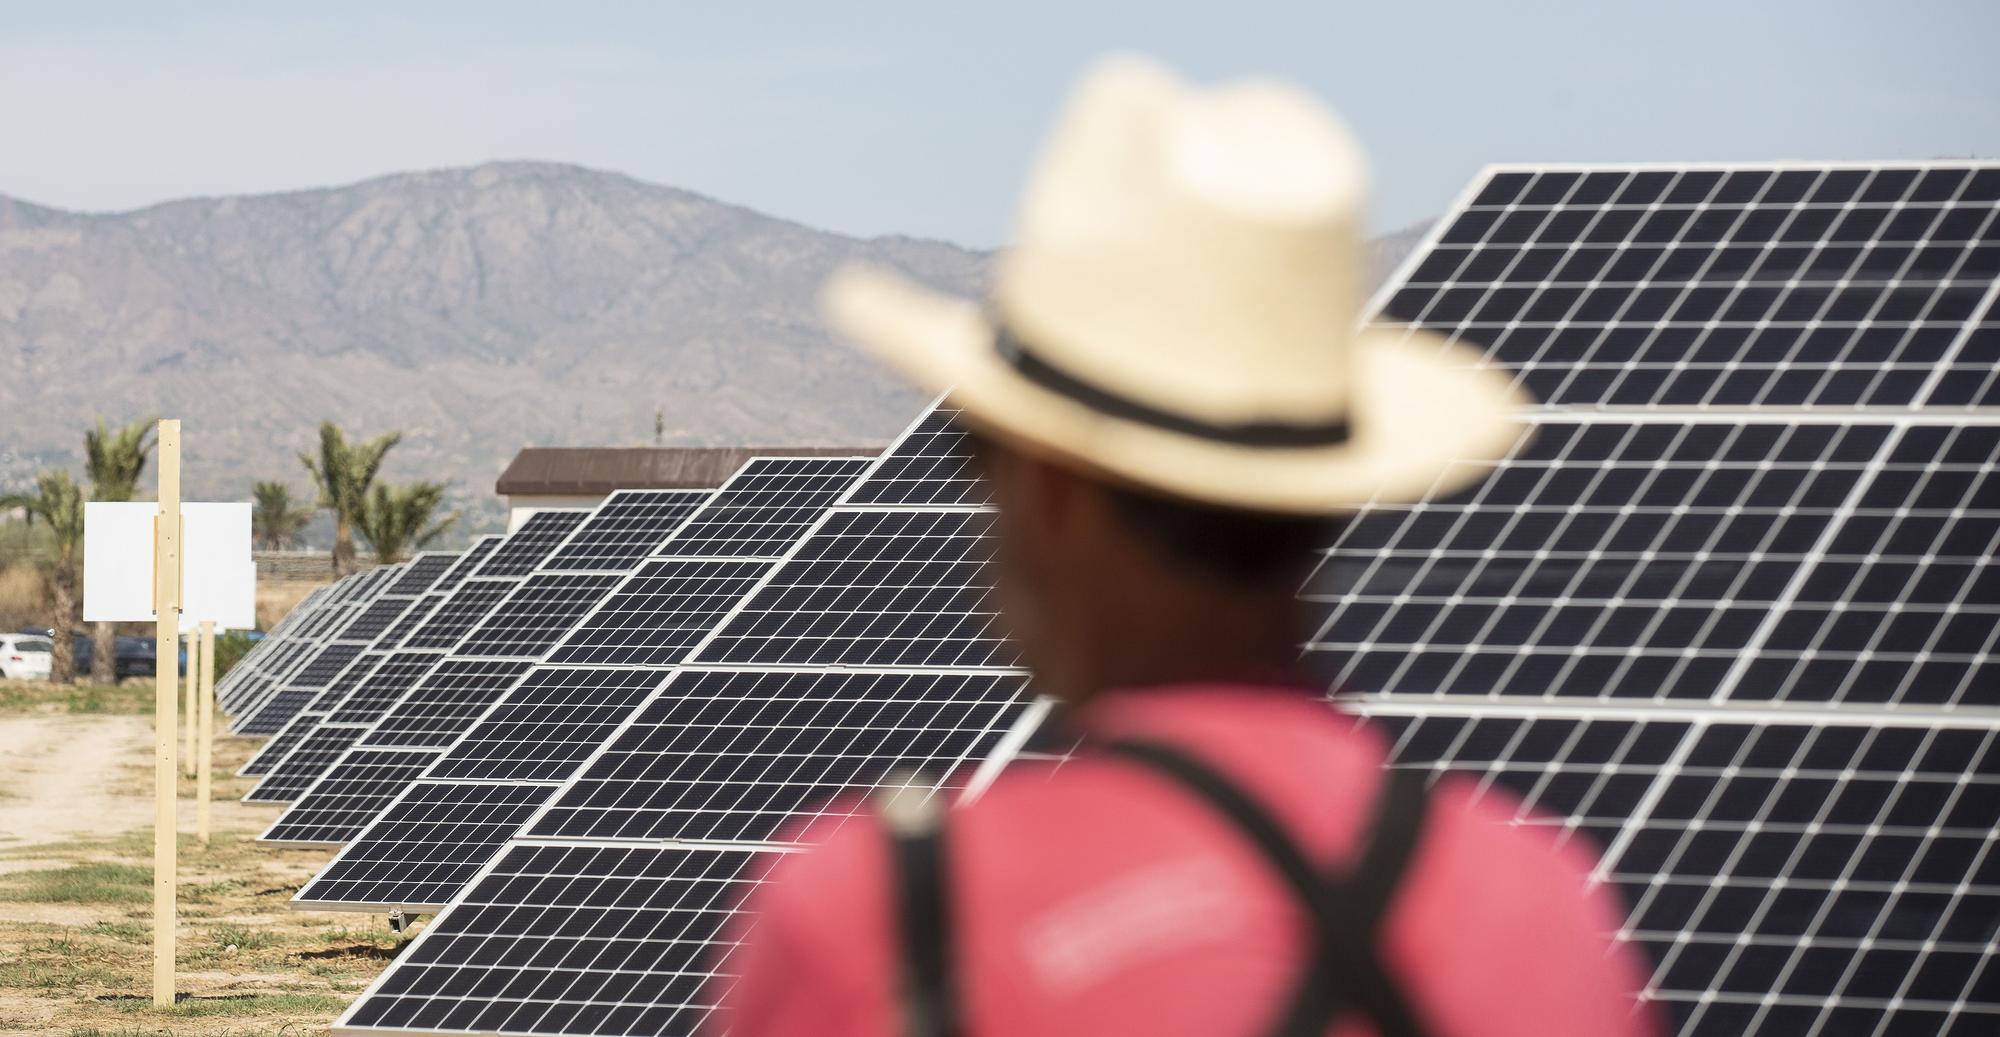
(1097, 898)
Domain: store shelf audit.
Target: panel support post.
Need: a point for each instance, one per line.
(167, 547)
(193, 679)
(205, 745)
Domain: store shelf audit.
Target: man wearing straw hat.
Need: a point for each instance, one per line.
(1172, 404)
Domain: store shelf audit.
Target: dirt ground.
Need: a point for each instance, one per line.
(76, 901)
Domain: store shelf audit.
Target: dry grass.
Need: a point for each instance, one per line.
(75, 933)
(134, 695)
(277, 598)
(24, 599)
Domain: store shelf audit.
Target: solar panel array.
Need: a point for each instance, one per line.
(728, 755)
(602, 670)
(423, 694)
(1729, 611)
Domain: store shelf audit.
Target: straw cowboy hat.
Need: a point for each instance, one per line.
(1180, 312)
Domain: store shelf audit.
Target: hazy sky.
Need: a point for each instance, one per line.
(919, 118)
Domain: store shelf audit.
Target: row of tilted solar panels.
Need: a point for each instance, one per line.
(1748, 650)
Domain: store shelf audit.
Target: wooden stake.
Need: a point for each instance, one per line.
(166, 684)
(206, 748)
(187, 740)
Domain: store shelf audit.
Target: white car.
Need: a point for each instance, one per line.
(25, 657)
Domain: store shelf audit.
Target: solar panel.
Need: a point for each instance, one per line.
(424, 846)
(444, 703)
(547, 725)
(458, 614)
(423, 571)
(369, 623)
(352, 791)
(1786, 877)
(413, 617)
(874, 588)
(764, 509)
(524, 549)
(275, 712)
(539, 611)
(281, 744)
(624, 529)
(473, 557)
(393, 676)
(660, 613)
(1747, 286)
(732, 755)
(314, 754)
(342, 686)
(565, 939)
(929, 466)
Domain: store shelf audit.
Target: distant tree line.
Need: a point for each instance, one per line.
(394, 520)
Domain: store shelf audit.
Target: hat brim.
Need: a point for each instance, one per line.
(1426, 417)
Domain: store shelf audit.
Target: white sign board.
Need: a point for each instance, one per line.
(219, 578)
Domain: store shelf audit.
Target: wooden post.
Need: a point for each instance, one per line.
(166, 685)
(193, 678)
(206, 747)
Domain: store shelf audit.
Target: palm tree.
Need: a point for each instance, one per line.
(58, 501)
(343, 473)
(276, 520)
(400, 519)
(113, 461)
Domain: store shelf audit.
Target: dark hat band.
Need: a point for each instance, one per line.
(1251, 434)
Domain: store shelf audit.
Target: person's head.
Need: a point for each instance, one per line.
(1104, 584)
(1174, 371)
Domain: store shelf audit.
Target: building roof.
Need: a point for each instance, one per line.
(581, 471)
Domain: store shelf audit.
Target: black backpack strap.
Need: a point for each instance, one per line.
(1345, 970)
(923, 913)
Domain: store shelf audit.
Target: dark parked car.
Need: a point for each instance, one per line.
(135, 654)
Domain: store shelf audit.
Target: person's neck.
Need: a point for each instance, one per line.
(1164, 642)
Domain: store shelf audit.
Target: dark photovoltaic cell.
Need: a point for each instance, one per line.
(327, 621)
(524, 549)
(281, 744)
(382, 687)
(355, 789)
(655, 617)
(444, 703)
(369, 623)
(425, 846)
(732, 755)
(547, 725)
(765, 508)
(275, 712)
(341, 687)
(458, 614)
(1653, 560)
(875, 588)
(1784, 878)
(409, 621)
(424, 570)
(305, 763)
(930, 467)
(1741, 287)
(538, 613)
(571, 940)
(1904, 607)
(326, 665)
(624, 529)
(473, 557)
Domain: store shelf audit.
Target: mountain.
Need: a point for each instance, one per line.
(478, 310)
